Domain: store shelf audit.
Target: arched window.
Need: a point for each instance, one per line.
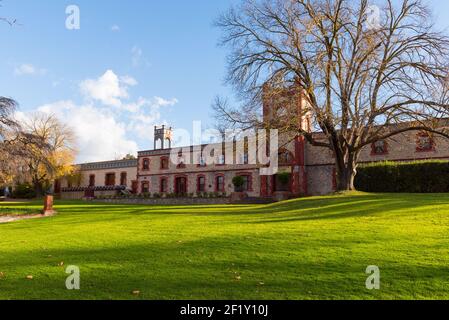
(424, 142)
(164, 163)
(285, 157)
(379, 148)
(158, 144)
(145, 187)
(146, 164)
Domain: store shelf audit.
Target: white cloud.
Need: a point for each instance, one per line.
(99, 135)
(145, 114)
(105, 133)
(165, 103)
(115, 28)
(28, 69)
(109, 89)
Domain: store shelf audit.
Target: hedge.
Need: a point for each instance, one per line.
(406, 177)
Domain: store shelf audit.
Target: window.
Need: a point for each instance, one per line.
(146, 164)
(424, 142)
(145, 187)
(164, 163)
(221, 160)
(379, 148)
(201, 161)
(123, 179)
(244, 158)
(110, 179)
(285, 157)
(164, 185)
(220, 184)
(247, 184)
(181, 161)
(92, 180)
(201, 184)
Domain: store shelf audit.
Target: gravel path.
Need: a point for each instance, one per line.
(6, 219)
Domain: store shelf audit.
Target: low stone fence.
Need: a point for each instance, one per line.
(166, 201)
(78, 195)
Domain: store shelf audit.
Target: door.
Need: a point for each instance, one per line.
(57, 186)
(134, 187)
(181, 185)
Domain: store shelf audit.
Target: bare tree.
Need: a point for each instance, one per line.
(7, 126)
(364, 79)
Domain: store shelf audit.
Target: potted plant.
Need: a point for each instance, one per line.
(284, 179)
(238, 194)
(283, 193)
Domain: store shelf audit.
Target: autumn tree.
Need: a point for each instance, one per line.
(365, 76)
(46, 165)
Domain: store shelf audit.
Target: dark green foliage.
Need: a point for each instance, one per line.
(406, 177)
(24, 191)
(284, 178)
(238, 182)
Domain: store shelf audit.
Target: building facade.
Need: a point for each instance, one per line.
(99, 178)
(211, 168)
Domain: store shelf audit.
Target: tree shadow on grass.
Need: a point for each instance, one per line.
(197, 270)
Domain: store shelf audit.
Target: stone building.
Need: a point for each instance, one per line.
(98, 178)
(311, 170)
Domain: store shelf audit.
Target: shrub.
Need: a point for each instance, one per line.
(24, 191)
(238, 182)
(284, 179)
(404, 177)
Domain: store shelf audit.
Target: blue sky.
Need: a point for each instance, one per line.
(133, 64)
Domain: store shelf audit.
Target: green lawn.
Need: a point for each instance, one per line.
(314, 248)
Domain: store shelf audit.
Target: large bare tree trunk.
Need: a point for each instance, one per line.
(346, 169)
(345, 177)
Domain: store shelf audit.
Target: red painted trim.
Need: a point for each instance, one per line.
(160, 184)
(144, 183)
(198, 182)
(292, 157)
(425, 135)
(216, 182)
(177, 176)
(373, 149)
(304, 181)
(162, 161)
(250, 179)
(143, 164)
(263, 186)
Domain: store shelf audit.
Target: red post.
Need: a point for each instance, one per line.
(48, 205)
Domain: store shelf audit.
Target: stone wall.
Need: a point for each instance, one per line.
(171, 201)
(320, 180)
(78, 195)
(320, 161)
